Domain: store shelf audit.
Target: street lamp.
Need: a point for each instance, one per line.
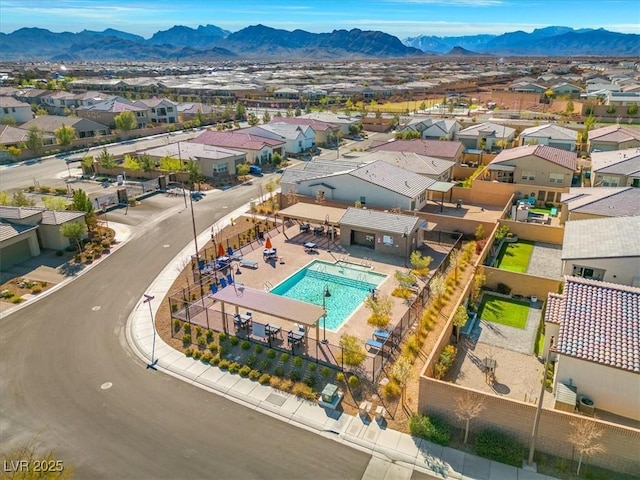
(147, 299)
(326, 295)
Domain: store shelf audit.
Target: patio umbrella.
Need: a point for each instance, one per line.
(268, 245)
(220, 250)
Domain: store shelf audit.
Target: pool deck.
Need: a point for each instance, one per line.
(290, 249)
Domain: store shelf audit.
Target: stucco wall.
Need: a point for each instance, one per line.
(535, 232)
(612, 389)
(521, 283)
(617, 270)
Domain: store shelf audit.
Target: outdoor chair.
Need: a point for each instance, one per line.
(223, 283)
(229, 279)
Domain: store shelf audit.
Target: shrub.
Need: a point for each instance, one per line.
(36, 289)
(234, 341)
(258, 349)
(223, 337)
(295, 376)
(430, 428)
(265, 365)
(284, 358)
(391, 390)
(286, 385)
(176, 324)
(224, 364)
(503, 289)
(213, 347)
(279, 371)
(275, 382)
(254, 375)
(206, 357)
(198, 330)
(214, 360)
(209, 335)
(326, 371)
(223, 349)
(188, 352)
(197, 354)
(271, 353)
(298, 361)
(187, 328)
(186, 339)
(313, 367)
(354, 381)
(245, 345)
(500, 447)
(310, 381)
(340, 377)
(264, 379)
(8, 294)
(234, 367)
(201, 341)
(251, 361)
(302, 390)
(244, 371)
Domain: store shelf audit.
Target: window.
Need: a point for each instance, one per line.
(220, 168)
(588, 272)
(557, 178)
(169, 109)
(541, 195)
(6, 110)
(608, 181)
(387, 240)
(363, 200)
(528, 176)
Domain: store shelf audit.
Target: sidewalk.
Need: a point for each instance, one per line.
(395, 455)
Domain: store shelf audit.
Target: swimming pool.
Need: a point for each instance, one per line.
(347, 286)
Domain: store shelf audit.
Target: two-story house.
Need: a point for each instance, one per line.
(160, 110)
(19, 112)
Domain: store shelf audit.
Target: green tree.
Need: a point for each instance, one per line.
(401, 372)
(479, 279)
(420, 263)
(82, 203)
(35, 139)
(381, 307)
(146, 162)
(4, 198)
(7, 120)
(253, 120)
(241, 111)
(55, 203)
(87, 163)
(405, 280)
(277, 159)
(298, 112)
(74, 231)
(570, 107)
(126, 121)
(632, 109)
(171, 164)
(65, 134)
(242, 170)
(348, 107)
(423, 106)
(460, 319)
(437, 288)
(266, 118)
(131, 162)
(195, 173)
(352, 353)
(19, 199)
(611, 109)
(106, 160)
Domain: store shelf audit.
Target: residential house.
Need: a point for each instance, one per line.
(83, 127)
(596, 331)
(25, 231)
(604, 249)
(565, 88)
(338, 120)
(12, 136)
(190, 111)
(297, 138)
(432, 167)
(527, 87)
(434, 129)
(106, 112)
(160, 110)
(286, 93)
(259, 150)
(214, 162)
(613, 137)
(378, 184)
(324, 131)
(32, 96)
(383, 232)
(538, 165)
(616, 169)
(587, 203)
(19, 112)
(452, 151)
(550, 134)
(622, 99)
(486, 136)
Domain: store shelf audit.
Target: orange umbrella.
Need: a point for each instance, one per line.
(220, 250)
(268, 245)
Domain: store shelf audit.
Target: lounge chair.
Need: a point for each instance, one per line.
(223, 282)
(374, 344)
(214, 288)
(381, 335)
(229, 279)
(249, 263)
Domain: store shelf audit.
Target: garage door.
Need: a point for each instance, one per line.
(14, 254)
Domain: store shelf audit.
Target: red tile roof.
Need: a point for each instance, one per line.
(244, 141)
(601, 323)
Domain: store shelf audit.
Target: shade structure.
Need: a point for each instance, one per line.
(267, 244)
(220, 250)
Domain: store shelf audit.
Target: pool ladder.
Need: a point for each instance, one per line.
(268, 286)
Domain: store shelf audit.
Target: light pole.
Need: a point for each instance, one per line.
(152, 365)
(325, 295)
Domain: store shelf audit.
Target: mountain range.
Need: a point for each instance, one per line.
(261, 42)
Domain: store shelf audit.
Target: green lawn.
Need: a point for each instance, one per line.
(504, 311)
(515, 256)
(540, 210)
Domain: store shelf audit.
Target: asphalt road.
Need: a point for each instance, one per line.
(57, 354)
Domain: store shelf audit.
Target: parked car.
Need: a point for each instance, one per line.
(255, 170)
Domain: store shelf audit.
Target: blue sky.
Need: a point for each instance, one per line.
(401, 18)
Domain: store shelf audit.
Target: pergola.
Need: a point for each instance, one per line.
(311, 212)
(284, 308)
(442, 187)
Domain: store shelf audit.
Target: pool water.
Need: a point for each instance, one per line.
(348, 287)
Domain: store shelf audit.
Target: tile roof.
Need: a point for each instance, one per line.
(7, 102)
(413, 162)
(317, 125)
(431, 148)
(50, 123)
(9, 230)
(286, 130)
(58, 217)
(618, 162)
(114, 105)
(604, 201)
(377, 220)
(600, 323)
(193, 150)
(614, 133)
(563, 158)
(393, 178)
(18, 213)
(319, 168)
(236, 140)
(498, 131)
(550, 130)
(609, 237)
(554, 308)
(153, 102)
(10, 135)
